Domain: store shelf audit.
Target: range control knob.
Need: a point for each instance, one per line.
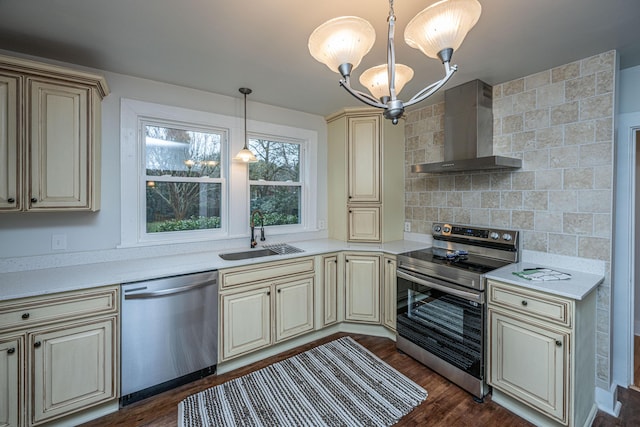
(446, 229)
(494, 235)
(437, 228)
(506, 236)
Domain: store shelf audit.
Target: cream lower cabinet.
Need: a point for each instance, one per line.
(59, 356)
(264, 304)
(389, 292)
(541, 351)
(362, 287)
(246, 320)
(73, 368)
(329, 282)
(11, 381)
(294, 307)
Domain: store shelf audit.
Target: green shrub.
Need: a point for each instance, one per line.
(193, 223)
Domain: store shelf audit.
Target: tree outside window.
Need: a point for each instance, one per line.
(275, 184)
(183, 178)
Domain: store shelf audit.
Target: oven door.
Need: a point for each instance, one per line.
(442, 318)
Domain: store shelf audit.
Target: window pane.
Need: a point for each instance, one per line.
(279, 204)
(277, 161)
(181, 152)
(180, 206)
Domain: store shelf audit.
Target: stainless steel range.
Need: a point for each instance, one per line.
(441, 300)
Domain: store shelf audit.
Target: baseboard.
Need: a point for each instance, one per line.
(86, 415)
(607, 400)
(351, 328)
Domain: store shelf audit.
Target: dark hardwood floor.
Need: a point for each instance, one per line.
(446, 405)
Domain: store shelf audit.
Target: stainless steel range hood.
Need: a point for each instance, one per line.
(468, 132)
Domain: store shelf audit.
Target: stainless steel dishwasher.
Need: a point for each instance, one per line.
(169, 333)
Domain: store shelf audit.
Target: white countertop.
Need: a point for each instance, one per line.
(28, 283)
(578, 287)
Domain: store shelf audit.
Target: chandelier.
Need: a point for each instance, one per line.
(437, 31)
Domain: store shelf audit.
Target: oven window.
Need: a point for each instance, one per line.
(445, 325)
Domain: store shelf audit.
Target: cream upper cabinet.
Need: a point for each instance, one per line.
(365, 176)
(389, 292)
(363, 155)
(364, 223)
(541, 351)
(58, 355)
(53, 117)
(362, 287)
(10, 148)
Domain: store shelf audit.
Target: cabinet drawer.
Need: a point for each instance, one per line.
(28, 312)
(263, 272)
(531, 303)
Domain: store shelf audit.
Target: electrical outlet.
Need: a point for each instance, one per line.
(321, 225)
(407, 227)
(59, 242)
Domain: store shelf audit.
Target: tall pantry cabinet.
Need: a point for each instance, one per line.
(365, 176)
(50, 141)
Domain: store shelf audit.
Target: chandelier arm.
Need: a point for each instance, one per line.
(391, 54)
(366, 98)
(432, 88)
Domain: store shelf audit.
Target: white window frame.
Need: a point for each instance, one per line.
(172, 236)
(302, 183)
(235, 202)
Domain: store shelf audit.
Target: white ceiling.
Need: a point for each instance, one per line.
(262, 44)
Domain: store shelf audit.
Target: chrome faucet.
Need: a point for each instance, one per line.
(252, 223)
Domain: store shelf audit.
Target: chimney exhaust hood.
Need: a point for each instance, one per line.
(468, 132)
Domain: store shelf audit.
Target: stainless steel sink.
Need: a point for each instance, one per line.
(267, 250)
(253, 253)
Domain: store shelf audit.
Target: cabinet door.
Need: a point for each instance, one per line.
(364, 159)
(10, 170)
(330, 289)
(530, 363)
(389, 292)
(11, 381)
(294, 308)
(246, 321)
(74, 367)
(364, 224)
(362, 288)
(60, 146)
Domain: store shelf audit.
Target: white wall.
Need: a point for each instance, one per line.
(629, 102)
(629, 94)
(27, 234)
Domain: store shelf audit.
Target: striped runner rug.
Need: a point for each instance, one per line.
(336, 384)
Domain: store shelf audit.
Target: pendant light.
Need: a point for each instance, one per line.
(245, 155)
(437, 31)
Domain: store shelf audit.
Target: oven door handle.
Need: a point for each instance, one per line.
(450, 290)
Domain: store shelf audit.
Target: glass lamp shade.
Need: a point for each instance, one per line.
(442, 25)
(245, 155)
(343, 40)
(376, 79)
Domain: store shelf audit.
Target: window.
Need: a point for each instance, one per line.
(275, 180)
(182, 178)
(179, 185)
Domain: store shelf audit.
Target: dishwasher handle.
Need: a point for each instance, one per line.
(171, 291)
